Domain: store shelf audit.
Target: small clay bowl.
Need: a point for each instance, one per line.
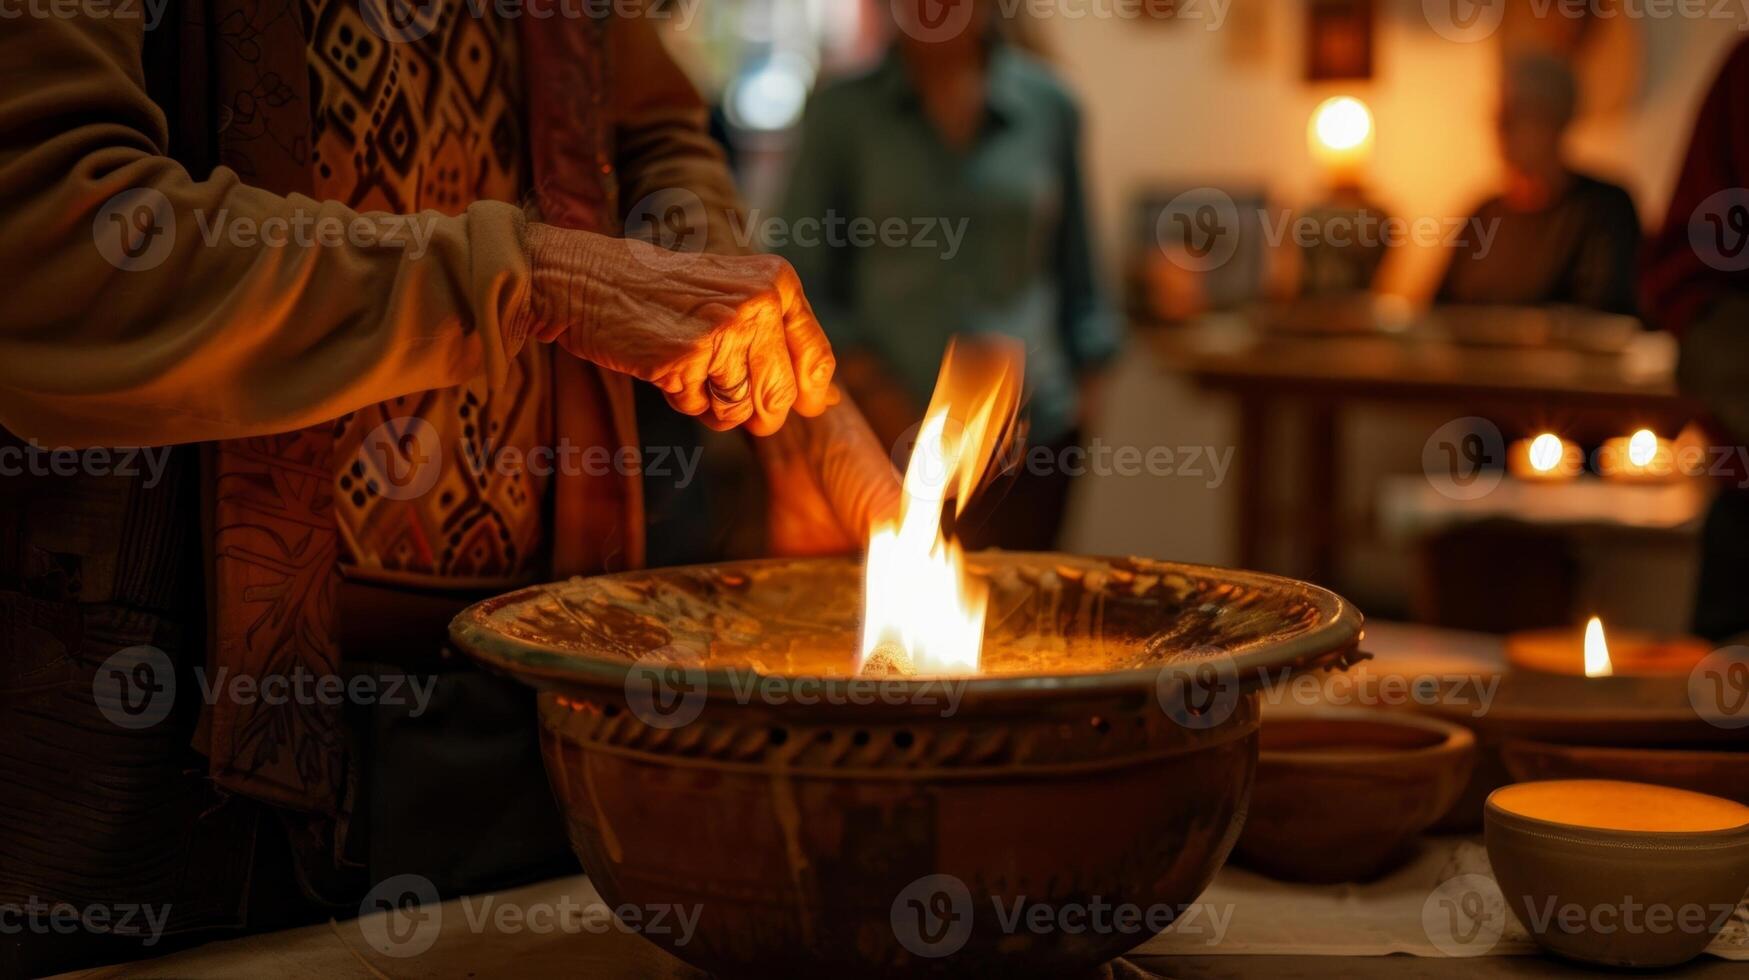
(1341, 795)
(1701, 769)
(1618, 874)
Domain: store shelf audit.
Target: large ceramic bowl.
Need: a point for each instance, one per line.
(713, 753)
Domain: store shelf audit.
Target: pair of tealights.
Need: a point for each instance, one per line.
(1616, 873)
(1642, 457)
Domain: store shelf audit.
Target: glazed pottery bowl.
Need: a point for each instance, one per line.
(712, 750)
(1341, 795)
(1598, 875)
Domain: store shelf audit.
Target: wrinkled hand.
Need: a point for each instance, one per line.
(831, 481)
(728, 338)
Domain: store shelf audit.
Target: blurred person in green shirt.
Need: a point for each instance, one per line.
(940, 194)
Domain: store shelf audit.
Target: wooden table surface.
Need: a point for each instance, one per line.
(1413, 367)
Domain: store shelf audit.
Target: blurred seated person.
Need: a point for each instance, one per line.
(1696, 285)
(1560, 237)
(973, 147)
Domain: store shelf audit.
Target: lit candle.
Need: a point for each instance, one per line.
(1341, 136)
(1617, 873)
(1605, 804)
(1591, 653)
(1642, 456)
(1545, 458)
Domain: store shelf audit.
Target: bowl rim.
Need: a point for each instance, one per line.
(1334, 640)
(1455, 740)
(1496, 816)
(1545, 747)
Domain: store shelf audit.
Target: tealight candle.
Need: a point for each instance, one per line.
(1607, 804)
(1546, 458)
(1618, 873)
(1641, 457)
(1590, 653)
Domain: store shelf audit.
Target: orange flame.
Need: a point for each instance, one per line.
(920, 606)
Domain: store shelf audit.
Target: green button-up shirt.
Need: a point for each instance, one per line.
(903, 241)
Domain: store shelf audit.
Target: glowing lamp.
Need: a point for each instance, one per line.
(1640, 457)
(1547, 457)
(1341, 132)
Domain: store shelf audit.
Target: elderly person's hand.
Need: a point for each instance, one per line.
(728, 338)
(831, 481)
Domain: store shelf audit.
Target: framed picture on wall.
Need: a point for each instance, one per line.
(1339, 40)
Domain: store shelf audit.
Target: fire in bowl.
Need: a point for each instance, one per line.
(714, 748)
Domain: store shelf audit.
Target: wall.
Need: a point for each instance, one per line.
(1165, 104)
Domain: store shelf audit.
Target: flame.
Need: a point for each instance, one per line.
(1596, 650)
(1642, 447)
(919, 603)
(1546, 452)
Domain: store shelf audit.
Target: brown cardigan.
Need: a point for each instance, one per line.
(249, 351)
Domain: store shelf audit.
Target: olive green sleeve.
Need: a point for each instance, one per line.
(147, 307)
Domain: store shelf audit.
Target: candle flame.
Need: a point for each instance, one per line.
(1597, 662)
(921, 608)
(1546, 451)
(1642, 447)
